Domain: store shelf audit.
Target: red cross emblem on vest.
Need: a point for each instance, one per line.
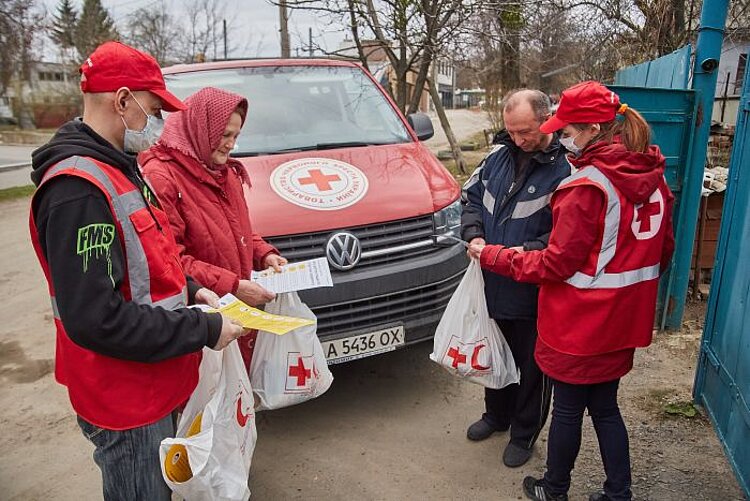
(648, 216)
(321, 181)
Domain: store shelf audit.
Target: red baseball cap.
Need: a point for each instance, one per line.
(585, 103)
(114, 65)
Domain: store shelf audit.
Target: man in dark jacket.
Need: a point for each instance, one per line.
(506, 201)
(126, 344)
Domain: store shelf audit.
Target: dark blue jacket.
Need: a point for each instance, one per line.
(512, 214)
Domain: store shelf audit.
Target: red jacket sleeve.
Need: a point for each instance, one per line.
(576, 215)
(261, 249)
(219, 280)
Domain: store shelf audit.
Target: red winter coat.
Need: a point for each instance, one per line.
(208, 216)
(588, 330)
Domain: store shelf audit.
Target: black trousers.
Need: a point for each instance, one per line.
(565, 436)
(521, 407)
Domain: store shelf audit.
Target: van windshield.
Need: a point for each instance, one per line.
(295, 108)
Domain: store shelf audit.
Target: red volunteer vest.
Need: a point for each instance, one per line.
(609, 304)
(108, 392)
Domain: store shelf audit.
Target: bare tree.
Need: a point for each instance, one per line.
(203, 31)
(21, 25)
(410, 34)
(155, 31)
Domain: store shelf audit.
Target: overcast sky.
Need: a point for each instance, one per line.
(256, 24)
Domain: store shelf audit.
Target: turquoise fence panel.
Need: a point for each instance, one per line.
(722, 383)
(667, 72)
(671, 114)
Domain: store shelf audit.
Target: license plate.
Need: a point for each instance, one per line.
(364, 345)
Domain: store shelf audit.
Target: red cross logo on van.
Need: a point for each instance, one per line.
(321, 181)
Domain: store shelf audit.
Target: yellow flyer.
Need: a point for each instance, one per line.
(253, 318)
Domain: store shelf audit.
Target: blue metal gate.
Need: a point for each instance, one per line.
(671, 113)
(722, 383)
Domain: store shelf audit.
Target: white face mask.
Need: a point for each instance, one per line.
(136, 141)
(570, 145)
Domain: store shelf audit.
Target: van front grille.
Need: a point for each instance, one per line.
(381, 243)
(397, 307)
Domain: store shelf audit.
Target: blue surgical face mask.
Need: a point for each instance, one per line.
(136, 141)
(570, 145)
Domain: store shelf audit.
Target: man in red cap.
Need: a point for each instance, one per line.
(126, 343)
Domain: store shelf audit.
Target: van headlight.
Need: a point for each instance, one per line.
(447, 224)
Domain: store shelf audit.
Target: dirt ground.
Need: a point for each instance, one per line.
(391, 427)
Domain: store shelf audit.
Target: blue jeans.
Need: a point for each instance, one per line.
(565, 436)
(129, 460)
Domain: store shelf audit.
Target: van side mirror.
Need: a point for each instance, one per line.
(422, 125)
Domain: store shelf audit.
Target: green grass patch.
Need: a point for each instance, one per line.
(472, 158)
(16, 192)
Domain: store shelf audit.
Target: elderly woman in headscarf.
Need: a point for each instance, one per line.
(201, 188)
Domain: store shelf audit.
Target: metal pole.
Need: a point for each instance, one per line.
(724, 101)
(309, 36)
(707, 54)
(225, 38)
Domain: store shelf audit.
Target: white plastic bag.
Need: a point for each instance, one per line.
(216, 433)
(291, 368)
(468, 343)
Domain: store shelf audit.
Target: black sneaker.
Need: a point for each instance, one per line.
(537, 491)
(480, 430)
(515, 455)
(599, 496)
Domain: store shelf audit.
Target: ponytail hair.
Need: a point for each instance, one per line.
(632, 131)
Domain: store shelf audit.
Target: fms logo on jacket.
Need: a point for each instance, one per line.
(95, 241)
(319, 183)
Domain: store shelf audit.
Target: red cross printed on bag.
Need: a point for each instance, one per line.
(301, 372)
(457, 356)
(241, 416)
(321, 181)
(458, 351)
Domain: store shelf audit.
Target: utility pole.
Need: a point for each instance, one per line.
(284, 29)
(225, 39)
(309, 36)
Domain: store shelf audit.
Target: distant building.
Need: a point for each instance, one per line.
(50, 96)
(731, 72)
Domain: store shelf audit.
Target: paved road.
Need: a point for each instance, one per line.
(464, 123)
(14, 155)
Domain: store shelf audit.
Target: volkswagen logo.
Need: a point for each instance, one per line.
(343, 251)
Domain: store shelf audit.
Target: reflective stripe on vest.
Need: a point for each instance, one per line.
(602, 280)
(488, 199)
(528, 208)
(124, 206)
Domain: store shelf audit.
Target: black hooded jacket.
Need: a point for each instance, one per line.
(93, 310)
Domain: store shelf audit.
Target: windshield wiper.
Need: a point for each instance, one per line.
(331, 146)
(311, 147)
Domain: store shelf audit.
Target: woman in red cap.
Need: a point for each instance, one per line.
(201, 188)
(611, 238)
